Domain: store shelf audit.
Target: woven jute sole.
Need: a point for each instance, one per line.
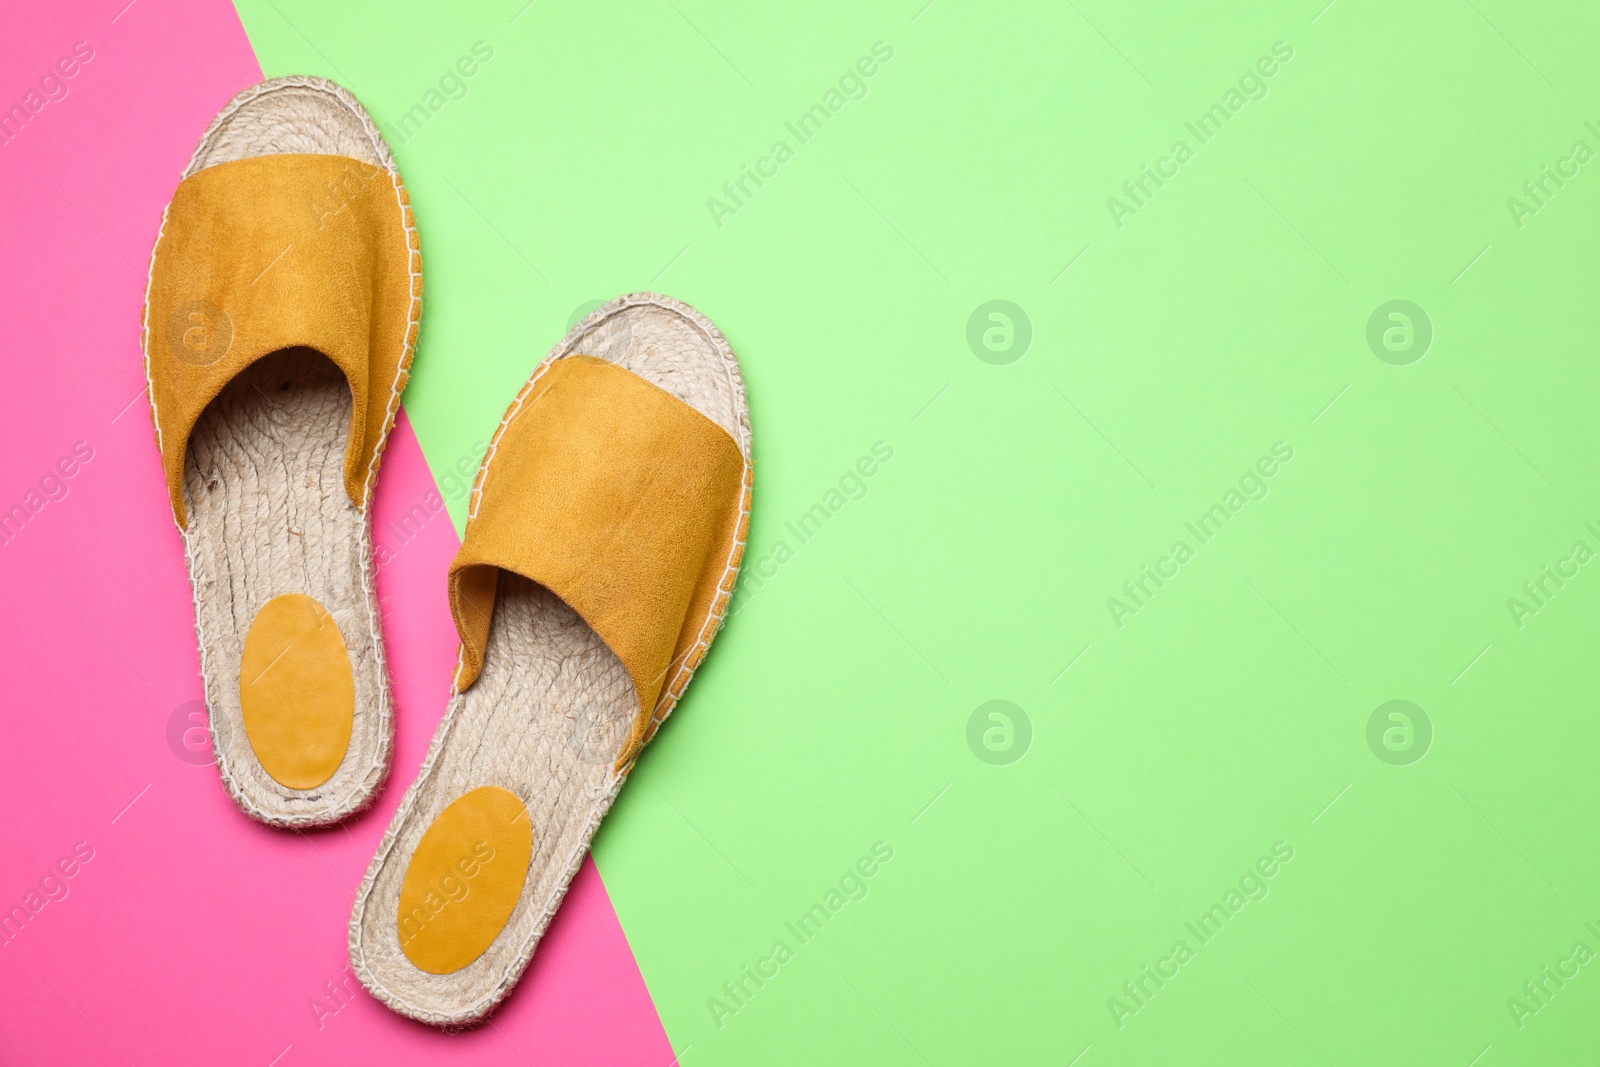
(549, 714)
(263, 483)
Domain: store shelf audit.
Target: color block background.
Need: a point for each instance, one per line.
(1164, 738)
(191, 934)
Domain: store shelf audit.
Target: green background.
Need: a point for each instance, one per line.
(1227, 314)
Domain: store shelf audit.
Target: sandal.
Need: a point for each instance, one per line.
(281, 315)
(602, 545)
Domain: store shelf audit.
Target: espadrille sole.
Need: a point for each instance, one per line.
(263, 483)
(547, 718)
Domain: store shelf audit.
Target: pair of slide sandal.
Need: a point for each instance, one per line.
(604, 537)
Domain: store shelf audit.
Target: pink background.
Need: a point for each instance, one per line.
(193, 935)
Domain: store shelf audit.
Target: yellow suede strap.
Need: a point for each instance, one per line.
(272, 252)
(623, 501)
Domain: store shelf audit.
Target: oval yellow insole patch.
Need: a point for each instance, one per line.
(296, 691)
(464, 879)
